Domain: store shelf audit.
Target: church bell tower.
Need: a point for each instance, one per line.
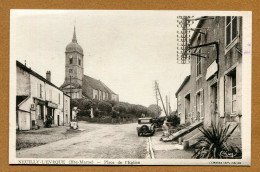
(73, 68)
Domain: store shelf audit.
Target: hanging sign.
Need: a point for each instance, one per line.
(52, 105)
(212, 69)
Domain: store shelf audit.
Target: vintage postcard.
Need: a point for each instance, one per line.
(130, 87)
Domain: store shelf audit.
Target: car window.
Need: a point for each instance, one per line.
(144, 121)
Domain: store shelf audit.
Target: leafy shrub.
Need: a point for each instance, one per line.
(110, 108)
(84, 104)
(105, 106)
(74, 103)
(120, 107)
(84, 113)
(174, 119)
(48, 122)
(213, 143)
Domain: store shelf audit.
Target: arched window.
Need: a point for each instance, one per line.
(71, 59)
(79, 61)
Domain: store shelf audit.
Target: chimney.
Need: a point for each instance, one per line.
(48, 75)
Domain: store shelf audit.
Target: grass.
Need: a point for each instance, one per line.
(33, 138)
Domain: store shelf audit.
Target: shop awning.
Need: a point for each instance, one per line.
(52, 105)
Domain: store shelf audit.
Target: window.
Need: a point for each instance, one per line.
(71, 59)
(198, 106)
(41, 90)
(231, 29)
(199, 40)
(79, 61)
(233, 93)
(70, 70)
(198, 63)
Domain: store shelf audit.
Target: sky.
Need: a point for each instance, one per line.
(127, 50)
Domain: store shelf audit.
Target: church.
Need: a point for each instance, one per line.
(78, 85)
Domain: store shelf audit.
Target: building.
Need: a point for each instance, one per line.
(66, 102)
(183, 101)
(213, 92)
(76, 83)
(37, 97)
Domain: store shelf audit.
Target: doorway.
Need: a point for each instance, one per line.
(187, 107)
(214, 103)
(58, 120)
(198, 107)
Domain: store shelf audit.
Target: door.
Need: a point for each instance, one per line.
(198, 107)
(42, 112)
(58, 120)
(214, 105)
(25, 121)
(187, 108)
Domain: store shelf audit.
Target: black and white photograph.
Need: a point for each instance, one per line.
(130, 87)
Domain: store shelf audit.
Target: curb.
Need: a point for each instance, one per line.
(150, 148)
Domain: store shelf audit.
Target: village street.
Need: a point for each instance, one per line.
(97, 141)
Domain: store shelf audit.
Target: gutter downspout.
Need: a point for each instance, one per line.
(63, 108)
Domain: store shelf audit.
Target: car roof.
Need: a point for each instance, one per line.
(145, 118)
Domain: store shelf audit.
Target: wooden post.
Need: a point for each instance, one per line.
(186, 144)
(180, 140)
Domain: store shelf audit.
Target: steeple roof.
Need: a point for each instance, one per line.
(74, 46)
(74, 39)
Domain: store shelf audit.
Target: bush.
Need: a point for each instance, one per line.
(105, 106)
(120, 108)
(84, 104)
(174, 119)
(74, 103)
(84, 113)
(48, 122)
(110, 108)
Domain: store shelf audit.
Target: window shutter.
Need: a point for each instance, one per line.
(38, 90)
(202, 97)
(221, 97)
(201, 103)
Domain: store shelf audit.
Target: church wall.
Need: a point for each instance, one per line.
(74, 70)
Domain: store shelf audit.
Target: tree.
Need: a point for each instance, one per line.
(112, 102)
(74, 103)
(154, 110)
(105, 107)
(120, 107)
(85, 104)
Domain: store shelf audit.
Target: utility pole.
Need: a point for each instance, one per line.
(157, 102)
(170, 109)
(70, 87)
(157, 88)
(167, 109)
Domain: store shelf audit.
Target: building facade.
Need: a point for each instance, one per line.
(183, 101)
(36, 98)
(76, 83)
(214, 87)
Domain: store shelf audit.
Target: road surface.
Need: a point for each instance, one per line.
(97, 141)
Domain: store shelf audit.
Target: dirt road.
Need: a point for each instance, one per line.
(97, 141)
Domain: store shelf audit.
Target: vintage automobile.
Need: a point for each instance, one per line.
(145, 126)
